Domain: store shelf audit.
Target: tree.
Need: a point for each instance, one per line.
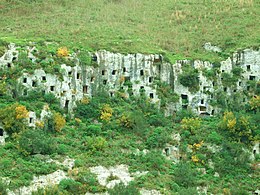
(14, 118)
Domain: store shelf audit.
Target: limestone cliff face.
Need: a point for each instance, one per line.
(135, 74)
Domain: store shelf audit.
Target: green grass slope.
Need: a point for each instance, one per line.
(172, 26)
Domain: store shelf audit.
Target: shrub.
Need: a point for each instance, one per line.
(255, 102)
(35, 141)
(185, 176)
(95, 143)
(50, 190)
(93, 130)
(89, 181)
(59, 121)
(124, 190)
(106, 113)
(214, 137)
(62, 52)
(70, 185)
(3, 188)
(13, 118)
(191, 124)
(190, 78)
(158, 138)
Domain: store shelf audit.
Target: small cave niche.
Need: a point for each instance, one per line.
(167, 151)
(67, 105)
(202, 101)
(43, 78)
(104, 82)
(9, 65)
(184, 99)
(158, 59)
(142, 87)
(254, 151)
(151, 95)
(222, 70)
(225, 89)
(14, 58)
(251, 77)
(78, 75)
(25, 92)
(212, 112)
(204, 114)
(70, 73)
(111, 94)
(141, 72)
(30, 120)
(1, 132)
(124, 69)
(234, 90)
(85, 89)
(213, 83)
(52, 88)
(114, 72)
(94, 58)
(239, 83)
(150, 79)
(202, 108)
(63, 93)
(92, 79)
(103, 72)
(34, 84)
(248, 67)
(185, 107)
(25, 80)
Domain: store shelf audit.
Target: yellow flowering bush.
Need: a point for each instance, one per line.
(255, 102)
(191, 124)
(63, 52)
(39, 124)
(240, 127)
(106, 113)
(59, 121)
(13, 118)
(85, 100)
(21, 112)
(125, 121)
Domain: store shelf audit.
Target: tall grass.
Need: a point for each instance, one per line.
(179, 26)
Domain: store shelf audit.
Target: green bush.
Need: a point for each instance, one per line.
(94, 143)
(184, 175)
(93, 130)
(36, 141)
(3, 188)
(158, 138)
(89, 181)
(124, 190)
(215, 138)
(190, 78)
(70, 186)
(50, 190)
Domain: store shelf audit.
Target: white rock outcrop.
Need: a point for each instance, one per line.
(139, 74)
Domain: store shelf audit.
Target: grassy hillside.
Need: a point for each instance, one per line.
(173, 26)
(180, 154)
